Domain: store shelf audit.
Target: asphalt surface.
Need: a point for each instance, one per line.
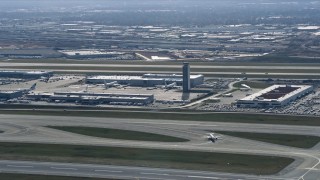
(304, 71)
(121, 172)
(31, 129)
(9, 64)
(237, 73)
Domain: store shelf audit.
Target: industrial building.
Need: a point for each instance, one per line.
(275, 96)
(94, 98)
(25, 74)
(146, 80)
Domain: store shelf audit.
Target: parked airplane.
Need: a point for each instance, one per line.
(25, 91)
(169, 86)
(111, 84)
(44, 79)
(245, 87)
(227, 95)
(213, 138)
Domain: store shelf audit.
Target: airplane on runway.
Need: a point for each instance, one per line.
(213, 138)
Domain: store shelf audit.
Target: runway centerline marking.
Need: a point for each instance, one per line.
(61, 168)
(103, 170)
(171, 124)
(203, 177)
(17, 166)
(155, 178)
(158, 174)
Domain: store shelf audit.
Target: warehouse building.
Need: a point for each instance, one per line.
(94, 98)
(147, 80)
(25, 74)
(275, 96)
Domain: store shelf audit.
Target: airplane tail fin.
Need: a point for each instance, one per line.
(105, 84)
(33, 87)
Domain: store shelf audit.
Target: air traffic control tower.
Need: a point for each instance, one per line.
(186, 77)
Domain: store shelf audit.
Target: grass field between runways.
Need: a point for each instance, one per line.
(119, 134)
(204, 161)
(293, 140)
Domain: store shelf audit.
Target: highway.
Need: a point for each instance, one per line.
(31, 129)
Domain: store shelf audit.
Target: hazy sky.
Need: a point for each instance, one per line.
(165, 11)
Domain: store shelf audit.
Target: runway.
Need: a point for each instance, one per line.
(237, 73)
(122, 172)
(270, 71)
(31, 129)
(9, 64)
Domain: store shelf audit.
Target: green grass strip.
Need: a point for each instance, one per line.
(299, 141)
(221, 162)
(118, 134)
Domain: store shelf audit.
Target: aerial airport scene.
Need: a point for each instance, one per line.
(152, 90)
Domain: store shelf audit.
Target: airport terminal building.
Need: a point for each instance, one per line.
(87, 98)
(275, 96)
(6, 95)
(147, 80)
(25, 74)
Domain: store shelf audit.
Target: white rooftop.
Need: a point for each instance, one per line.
(254, 97)
(145, 77)
(87, 52)
(123, 77)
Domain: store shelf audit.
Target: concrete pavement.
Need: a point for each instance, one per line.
(32, 129)
(121, 172)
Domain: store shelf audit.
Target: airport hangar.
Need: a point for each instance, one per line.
(275, 96)
(147, 80)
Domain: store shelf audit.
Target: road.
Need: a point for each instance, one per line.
(31, 129)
